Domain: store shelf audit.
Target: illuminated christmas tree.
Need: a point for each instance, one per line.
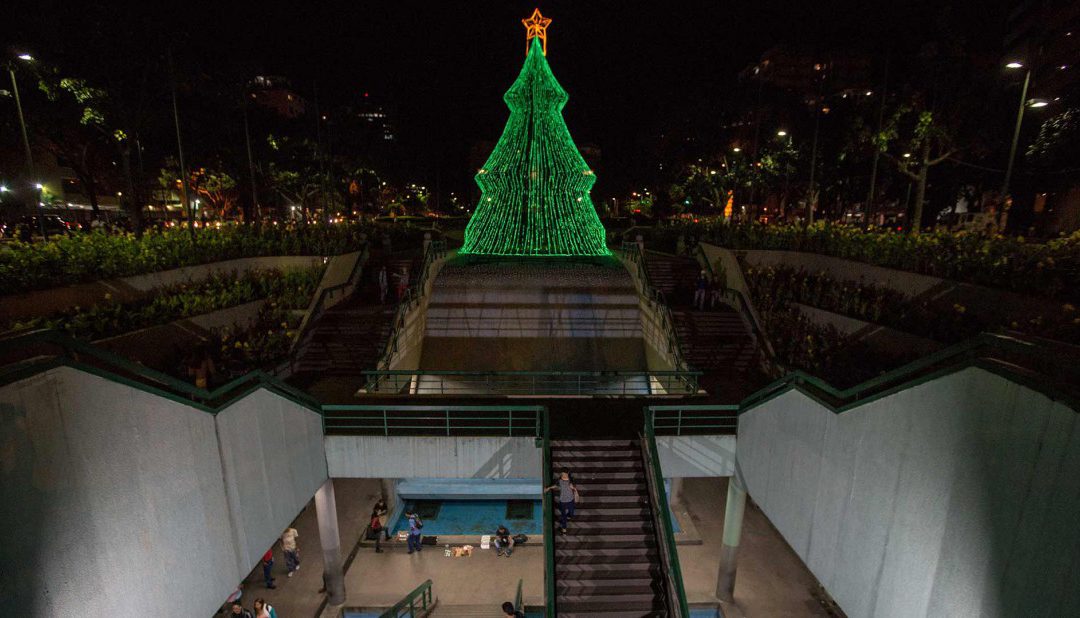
(535, 185)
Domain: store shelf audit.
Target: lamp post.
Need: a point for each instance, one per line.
(26, 142)
(1019, 120)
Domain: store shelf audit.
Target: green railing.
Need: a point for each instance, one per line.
(417, 603)
(519, 601)
(1049, 367)
(632, 253)
(39, 351)
(396, 420)
(549, 517)
(675, 595)
(435, 251)
(460, 383)
(697, 419)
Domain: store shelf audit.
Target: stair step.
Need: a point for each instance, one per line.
(593, 572)
(605, 556)
(594, 466)
(615, 514)
(632, 541)
(607, 476)
(608, 602)
(605, 586)
(595, 444)
(575, 454)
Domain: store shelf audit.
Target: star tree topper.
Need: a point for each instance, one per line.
(536, 27)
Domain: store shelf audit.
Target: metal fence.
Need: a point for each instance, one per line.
(403, 420)
(535, 383)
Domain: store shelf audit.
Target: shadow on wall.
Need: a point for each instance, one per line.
(501, 465)
(22, 517)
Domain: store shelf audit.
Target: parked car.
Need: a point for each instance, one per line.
(53, 224)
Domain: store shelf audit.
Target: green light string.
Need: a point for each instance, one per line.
(534, 188)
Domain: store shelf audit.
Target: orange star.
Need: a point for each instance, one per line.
(536, 26)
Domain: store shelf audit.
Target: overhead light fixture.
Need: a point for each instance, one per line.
(1038, 103)
(781, 133)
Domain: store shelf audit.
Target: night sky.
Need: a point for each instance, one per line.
(630, 68)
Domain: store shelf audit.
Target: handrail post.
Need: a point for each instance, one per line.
(385, 423)
(447, 412)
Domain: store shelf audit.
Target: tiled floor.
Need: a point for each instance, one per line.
(771, 580)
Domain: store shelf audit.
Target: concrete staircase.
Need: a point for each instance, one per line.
(348, 338)
(716, 341)
(608, 562)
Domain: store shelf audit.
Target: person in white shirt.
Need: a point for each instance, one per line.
(292, 553)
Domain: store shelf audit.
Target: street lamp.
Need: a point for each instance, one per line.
(781, 133)
(1016, 64)
(25, 57)
(1038, 103)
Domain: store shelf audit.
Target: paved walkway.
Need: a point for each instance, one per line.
(380, 580)
(771, 580)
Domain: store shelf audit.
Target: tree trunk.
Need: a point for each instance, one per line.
(920, 189)
(132, 201)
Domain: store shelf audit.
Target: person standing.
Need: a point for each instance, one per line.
(376, 527)
(415, 535)
(264, 609)
(567, 498)
(383, 512)
(268, 568)
(384, 285)
(292, 552)
(239, 611)
(700, 288)
(401, 282)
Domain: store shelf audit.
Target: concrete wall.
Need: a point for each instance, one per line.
(696, 456)
(957, 497)
(113, 500)
(912, 284)
(273, 461)
(422, 457)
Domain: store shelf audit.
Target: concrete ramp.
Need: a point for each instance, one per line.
(533, 315)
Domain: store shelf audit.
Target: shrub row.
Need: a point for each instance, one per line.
(1050, 269)
(290, 290)
(99, 255)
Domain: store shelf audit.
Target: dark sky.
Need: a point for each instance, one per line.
(629, 67)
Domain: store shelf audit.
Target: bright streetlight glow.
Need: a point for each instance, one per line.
(869, 93)
(1038, 103)
(1014, 65)
(4, 189)
(907, 155)
(39, 186)
(781, 133)
(26, 57)
(736, 149)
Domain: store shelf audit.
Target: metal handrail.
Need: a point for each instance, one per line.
(658, 301)
(407, 606)
(432, 420)
(435, 251)
(319, 306)
(671, 420)
(675, 383)
(519, 605)
(675, 596)
(549, 519)
(739, 301)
